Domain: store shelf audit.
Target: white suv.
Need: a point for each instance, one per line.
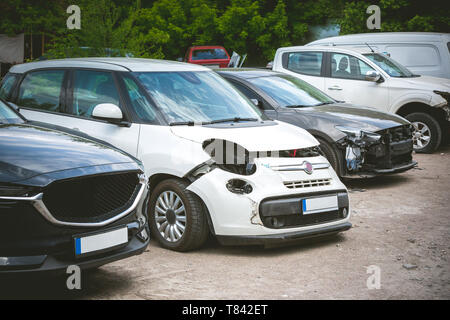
(364, 77)
(214, 161)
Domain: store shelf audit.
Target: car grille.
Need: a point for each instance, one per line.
(91, 199)
(307, 183)
(300, 220)
(396, 148)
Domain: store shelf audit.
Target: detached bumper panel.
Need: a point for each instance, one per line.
(284, 237)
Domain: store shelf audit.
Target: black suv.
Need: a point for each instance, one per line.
(66, 200)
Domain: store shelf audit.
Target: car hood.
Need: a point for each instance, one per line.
(422, 83)
(270, 136)
(28, 151)
(325, 118)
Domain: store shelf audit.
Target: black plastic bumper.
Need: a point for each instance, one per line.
(53, 265)
(397, 169)
(283, 237)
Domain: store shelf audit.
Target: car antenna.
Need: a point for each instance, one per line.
(369, 47)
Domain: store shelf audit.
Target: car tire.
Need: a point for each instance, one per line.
(331, 154)
(427, 134)
(164, 209)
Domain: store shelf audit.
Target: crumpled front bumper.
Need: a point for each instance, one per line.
(239, 214)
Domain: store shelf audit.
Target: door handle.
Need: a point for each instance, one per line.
(335, 88)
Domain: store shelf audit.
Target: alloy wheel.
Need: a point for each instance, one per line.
(170, 216)
(421, 135)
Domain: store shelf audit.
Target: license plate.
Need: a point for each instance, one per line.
(319, 204)
(99, 242)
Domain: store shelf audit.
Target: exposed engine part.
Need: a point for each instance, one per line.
(366, 151)
(353, 158)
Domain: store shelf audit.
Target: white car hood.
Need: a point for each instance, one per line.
(424, 83)
(281, 136)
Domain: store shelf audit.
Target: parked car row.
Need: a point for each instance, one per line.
(98, 153)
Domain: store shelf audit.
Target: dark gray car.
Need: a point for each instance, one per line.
(358, 141)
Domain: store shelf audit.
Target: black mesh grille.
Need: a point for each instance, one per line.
(301, 220)
(91, 199)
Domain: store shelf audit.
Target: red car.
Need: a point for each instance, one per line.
(210, 56)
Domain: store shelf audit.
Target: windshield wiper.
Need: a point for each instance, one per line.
(323, 103)
(235, 119)
(183, 123)
(300, 106)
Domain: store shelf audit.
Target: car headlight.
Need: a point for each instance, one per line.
(357, 133)
(14, 191)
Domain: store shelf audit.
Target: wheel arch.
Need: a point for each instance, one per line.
(412, 107)
(157, 178)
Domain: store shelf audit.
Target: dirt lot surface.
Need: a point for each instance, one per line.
(401, 224)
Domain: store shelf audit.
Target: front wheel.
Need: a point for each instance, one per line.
(176, 216)
(427, 132)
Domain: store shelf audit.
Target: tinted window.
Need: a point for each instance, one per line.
(349, 67)
(250, 94)
(196, 96)
(7, 84)
(7, 115)
(139, 101)
(305, 62)
(208, 54)
(390, 66)
(289, 91)
(92, 88)
(41, 90)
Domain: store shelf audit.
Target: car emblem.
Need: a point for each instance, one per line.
(308, 167)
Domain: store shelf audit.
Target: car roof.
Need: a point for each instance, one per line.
(360, 50)
(248, 73)
(383, 37)
(112, 64)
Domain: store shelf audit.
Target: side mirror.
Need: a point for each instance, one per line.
(373, 76)
(107, 111)
(180, 59)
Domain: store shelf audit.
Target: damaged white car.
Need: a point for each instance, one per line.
(215, 163)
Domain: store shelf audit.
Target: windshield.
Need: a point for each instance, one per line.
(7, 115)
(289, 91)
(209, 54)
(201, 96)
(390, 66)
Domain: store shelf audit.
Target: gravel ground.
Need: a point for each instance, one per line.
(400, 224)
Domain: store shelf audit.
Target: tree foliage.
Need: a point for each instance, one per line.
(166, 28)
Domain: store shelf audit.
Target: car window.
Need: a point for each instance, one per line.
(209, 54)
(348, 67)
(289, 91)
(199, 96)
(305, 62)
(92, 88)
(8, 116)
(6, 86)
(139, 102)
(390, 66)
(41, 90)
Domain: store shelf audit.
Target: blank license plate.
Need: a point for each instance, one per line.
(101, 241)
(319, 204)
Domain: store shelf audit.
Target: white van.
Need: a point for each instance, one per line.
(423, 53)
(215, 163)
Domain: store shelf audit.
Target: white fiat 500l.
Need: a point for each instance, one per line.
(214, 162)
(360, 76)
